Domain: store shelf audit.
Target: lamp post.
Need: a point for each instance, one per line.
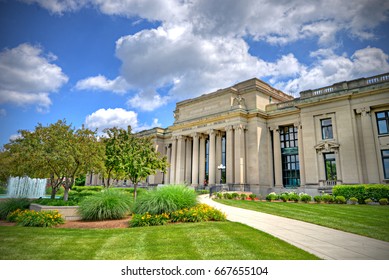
(221, 167)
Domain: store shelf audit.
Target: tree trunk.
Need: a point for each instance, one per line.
(135, 187)
(53, 192)
(66, 194)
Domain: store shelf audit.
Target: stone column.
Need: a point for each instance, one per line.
(369, 146)
(195, 160)
(301, 154)
(168, 155)
(212, 157)
(180, 166)
(338, 167)
(322, 169)
(188, 163)
(240, 158)
(173, 161)
(230, 154)
(218, 155)
(202, 160)
(277, 158)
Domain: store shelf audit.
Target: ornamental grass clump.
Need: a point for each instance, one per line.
(9, 205)
(165, 200)
(105, 205)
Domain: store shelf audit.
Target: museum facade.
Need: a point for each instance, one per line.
(253, 136)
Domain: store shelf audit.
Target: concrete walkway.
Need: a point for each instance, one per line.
(323, 242)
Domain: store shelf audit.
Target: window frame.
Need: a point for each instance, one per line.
(385, 157)
(327, 129)
(385, 118)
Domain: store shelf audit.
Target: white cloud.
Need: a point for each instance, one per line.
(27, 77)
(118, 85)
(331, 68)
(118, 117)
(147, 102)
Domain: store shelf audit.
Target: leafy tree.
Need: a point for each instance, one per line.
(57, 151)
(131, 156)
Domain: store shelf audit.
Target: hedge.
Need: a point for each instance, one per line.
(373, 191)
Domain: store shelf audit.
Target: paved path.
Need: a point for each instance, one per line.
(323, 242)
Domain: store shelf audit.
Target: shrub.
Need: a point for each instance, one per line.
(31, 218)
(327, 198)
(166, 199)
(87, 188)
(353, 200)
(294, 197)
(198, 213)
(383, 201)
(317, 198)
(362, 192)
(340, 199)
(271, 196)
(305, 197)
(54, 202)
(105, 205)
(284, 197)
(139, 191)
(219, 195)
(9, 205)
(252, 196)
(243, 196)
(235, 195)
(369, 200)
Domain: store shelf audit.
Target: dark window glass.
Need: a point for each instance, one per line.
(290, 159)
(326, 129)
(383, 122)
(330, 166)
(385, 162)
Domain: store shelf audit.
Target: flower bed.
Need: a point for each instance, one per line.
(198, 213)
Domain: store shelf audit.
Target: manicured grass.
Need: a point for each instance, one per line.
(197, 241)
(367, 220)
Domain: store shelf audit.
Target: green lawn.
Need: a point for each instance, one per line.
(367, 220)
(194, 241)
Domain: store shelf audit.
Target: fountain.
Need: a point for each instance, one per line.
(26, 187)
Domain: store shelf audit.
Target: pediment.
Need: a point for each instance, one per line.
(327, 146)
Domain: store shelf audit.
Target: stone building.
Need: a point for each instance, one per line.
(253, 136)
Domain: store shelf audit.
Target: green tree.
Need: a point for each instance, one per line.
(132, 156)
(56, 151)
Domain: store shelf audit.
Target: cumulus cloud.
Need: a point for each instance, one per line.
(331, 68)
(118, 117)
(199, 45)
(27, 76)
(148, 102)
(100, 82)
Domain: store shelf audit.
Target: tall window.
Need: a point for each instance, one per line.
(326, 129)
(206, 158)
(385, 162)
(383, 122)
(290, 158)
(223, 158)
(330, 166)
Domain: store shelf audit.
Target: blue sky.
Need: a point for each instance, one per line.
(118, 63)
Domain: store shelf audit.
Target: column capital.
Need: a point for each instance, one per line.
(181, 137)
(274, 128)
(239, 126)
(364, 111)
(229, 128)
(168, 146)
(211, 131)
(195, 135)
